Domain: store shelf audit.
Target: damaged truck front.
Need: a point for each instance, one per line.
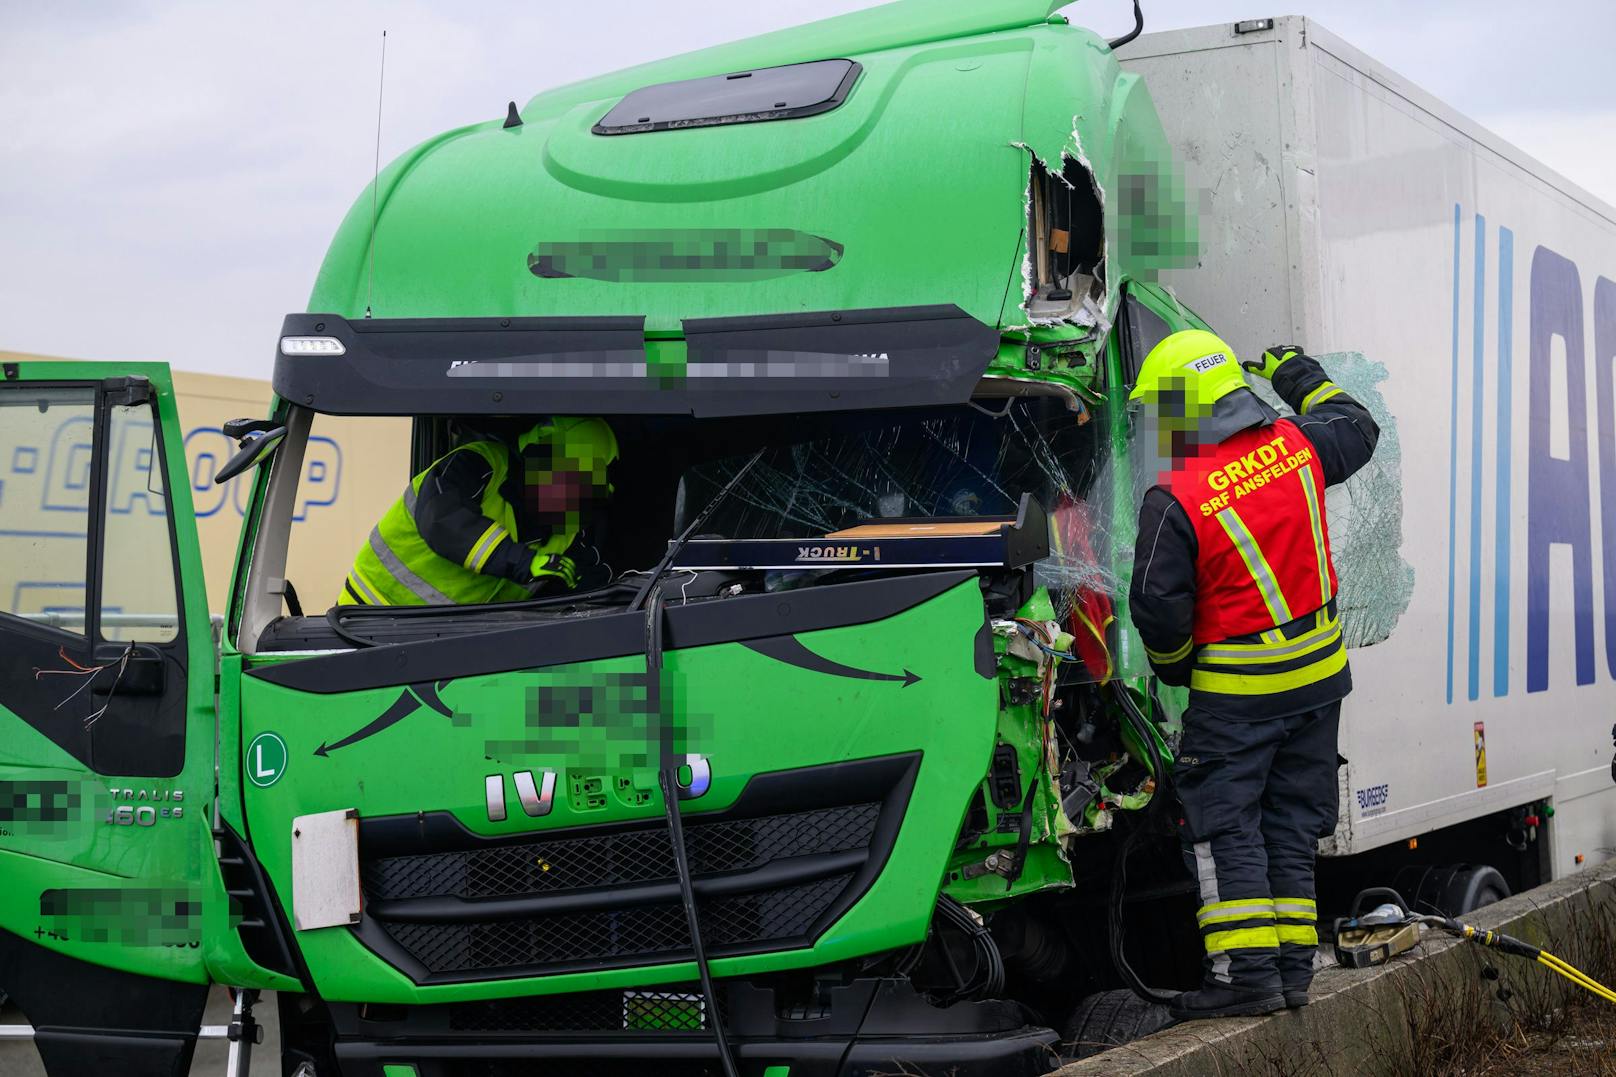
(861, 302)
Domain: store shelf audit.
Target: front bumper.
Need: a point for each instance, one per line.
(868, 1026)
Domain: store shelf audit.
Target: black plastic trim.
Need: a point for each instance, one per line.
(828, 361)
(263, 932)
(94, 1019)
(866, 1025)
(611, 635)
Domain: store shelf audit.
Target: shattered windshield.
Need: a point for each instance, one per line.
(814, 476)
(970, 461)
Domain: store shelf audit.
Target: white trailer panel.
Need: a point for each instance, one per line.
(1468, 294)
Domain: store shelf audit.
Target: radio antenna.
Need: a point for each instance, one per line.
(375, 177)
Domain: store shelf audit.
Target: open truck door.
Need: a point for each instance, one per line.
(106, 718)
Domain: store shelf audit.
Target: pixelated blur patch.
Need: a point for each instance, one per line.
(1158, 225)
(135, 916)
(673, 255)
(605, 720)
(31, 804)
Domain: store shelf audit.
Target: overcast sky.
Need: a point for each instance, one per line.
(170, 173)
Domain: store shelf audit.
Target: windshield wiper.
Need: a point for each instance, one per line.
(678, 544)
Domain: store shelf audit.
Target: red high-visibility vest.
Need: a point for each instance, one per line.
(1256, 501)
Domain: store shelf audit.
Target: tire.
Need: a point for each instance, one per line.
(1453, 890)
(1109, 1019)
(1474, 886)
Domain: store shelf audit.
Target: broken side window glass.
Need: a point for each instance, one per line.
(1146, 329)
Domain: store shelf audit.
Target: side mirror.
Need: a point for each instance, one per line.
(238, 429)
(254, 451)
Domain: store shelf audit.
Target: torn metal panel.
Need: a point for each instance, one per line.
(1062, 269)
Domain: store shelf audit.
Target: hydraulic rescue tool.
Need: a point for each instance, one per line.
(1392, 928)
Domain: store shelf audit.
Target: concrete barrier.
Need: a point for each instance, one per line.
(1360, 1019)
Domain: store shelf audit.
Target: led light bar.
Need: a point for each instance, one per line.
(312, 346)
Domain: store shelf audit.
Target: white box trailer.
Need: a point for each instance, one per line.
(1467, 293)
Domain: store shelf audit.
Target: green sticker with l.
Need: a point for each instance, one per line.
(266, 759)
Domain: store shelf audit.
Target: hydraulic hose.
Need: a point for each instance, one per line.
(668, 777)
(1162, 797)
(1508, 944)
(1138, 28)
(1119, 885)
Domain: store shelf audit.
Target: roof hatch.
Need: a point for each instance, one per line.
(767, 93)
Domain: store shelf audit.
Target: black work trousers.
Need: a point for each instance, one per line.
(1257, 796)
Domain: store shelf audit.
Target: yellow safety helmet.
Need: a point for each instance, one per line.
(1191, 362)
(588, 442)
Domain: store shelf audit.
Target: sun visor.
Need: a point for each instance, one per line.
(774, 364)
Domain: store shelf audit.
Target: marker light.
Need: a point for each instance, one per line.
(312, 346)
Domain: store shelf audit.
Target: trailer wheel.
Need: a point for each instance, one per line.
(1109, 1019)
(1453, 890)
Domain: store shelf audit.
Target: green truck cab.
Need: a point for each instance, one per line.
(862, 299)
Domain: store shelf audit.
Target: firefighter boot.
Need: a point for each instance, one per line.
(1295, 973)
(1226, 1000)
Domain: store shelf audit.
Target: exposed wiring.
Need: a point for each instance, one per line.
(88, 675)
(1039, 636)
(122, 664)
(1033, 631)
(987, 979)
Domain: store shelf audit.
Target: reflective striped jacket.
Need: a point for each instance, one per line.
(1234, 587)
(452, 538)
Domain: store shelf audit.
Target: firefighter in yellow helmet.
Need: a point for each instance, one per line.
(490, 521)
(1234, 595)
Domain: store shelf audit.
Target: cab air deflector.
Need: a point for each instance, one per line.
(768, 365)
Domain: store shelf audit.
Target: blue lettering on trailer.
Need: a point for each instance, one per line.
(1560, 498)
(1506, 415)
(1557, 489)
(1605, 381)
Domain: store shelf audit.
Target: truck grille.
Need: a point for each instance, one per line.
(650, 931)
(631, 856)
(468, 907)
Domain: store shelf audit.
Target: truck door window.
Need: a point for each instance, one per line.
(139, 603)
(1144, 330)
(88, 594)
(45, 453)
